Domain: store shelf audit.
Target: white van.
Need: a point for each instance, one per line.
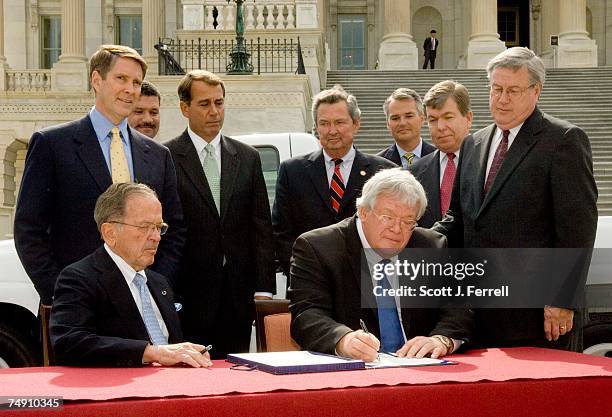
(19, 327)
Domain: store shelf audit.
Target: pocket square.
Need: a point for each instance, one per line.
(178, 306)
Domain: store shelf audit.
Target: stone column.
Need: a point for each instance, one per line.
(153, 28)
(576, 49)
(397, 50)
(70, 72)
(484, 41)
(550, 26)
(3, 64)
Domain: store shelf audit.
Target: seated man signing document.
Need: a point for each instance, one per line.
(326, 268)
(109, 310)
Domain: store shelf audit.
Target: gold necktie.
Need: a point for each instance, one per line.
(119, 166)
(409, 156)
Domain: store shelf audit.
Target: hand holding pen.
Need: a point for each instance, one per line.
(359, 344)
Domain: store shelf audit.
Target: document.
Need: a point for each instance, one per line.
(295, 362)
(387, 360)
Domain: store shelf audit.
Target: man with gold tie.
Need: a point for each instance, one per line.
(68, 166)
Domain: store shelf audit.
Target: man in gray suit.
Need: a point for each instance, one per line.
(524, 181)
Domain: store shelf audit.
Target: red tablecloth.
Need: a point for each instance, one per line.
(494, 381)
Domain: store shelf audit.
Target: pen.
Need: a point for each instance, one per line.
(363, 326)
(206, 349)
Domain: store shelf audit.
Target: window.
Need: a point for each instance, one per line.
(508, 25)
(352, 49)
(270, 162)
(129, 31)
(51, 40)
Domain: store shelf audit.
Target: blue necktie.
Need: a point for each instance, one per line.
(155, 331)
(391, 335)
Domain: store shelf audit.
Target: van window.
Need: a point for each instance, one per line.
(270, 162)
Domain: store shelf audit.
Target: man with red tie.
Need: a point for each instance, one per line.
(525, 181)
(320, 189)
(449, 118)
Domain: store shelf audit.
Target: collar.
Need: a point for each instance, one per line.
(513, 132)
(444, 155)
(200, 143)
(371, 255)
(126, 270)
(102, 126)
(416, 151)
(348, 158)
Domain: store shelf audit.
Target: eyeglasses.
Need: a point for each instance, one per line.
(161, 228)
(513, 93)
(390, 221)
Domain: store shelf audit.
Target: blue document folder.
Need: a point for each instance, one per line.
(298, 362)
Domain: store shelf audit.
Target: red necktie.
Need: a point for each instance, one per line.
(446, 188)
(336, 189)
(500, 154)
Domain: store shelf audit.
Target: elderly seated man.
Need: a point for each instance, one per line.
(109, 310)
(325, 289)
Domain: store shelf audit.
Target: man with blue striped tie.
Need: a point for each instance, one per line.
(109, 309)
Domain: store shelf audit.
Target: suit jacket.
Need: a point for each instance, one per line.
(95, 320)
(427, 171)
(325, 290)
(544, 196)
(241, 234)
(65, 173)
(391, 153)
(303, 200)
(427, 46)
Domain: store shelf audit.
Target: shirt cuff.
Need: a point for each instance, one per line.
(263, 294)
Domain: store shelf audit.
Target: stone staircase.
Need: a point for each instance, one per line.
(582, 96)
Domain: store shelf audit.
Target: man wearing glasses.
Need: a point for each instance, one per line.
(109, 309)
(525, 181)
(326, 287)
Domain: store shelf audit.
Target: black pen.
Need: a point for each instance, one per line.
(363, 326)
(206, 349)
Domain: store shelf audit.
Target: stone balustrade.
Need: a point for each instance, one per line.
(28, 80)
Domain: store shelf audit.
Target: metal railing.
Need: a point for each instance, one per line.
(266, 55)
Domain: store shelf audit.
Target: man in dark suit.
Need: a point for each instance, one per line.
(326, 279)
(430, 47)
(404, 113)
(524, 181)
(68, 166)
(109, 310)
(229, 256)
(320, 188)
(449, 119)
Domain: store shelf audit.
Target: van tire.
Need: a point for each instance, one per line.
(16, 349)
(597, 339)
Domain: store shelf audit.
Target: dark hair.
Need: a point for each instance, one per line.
(184, 88)
(149, 90)
(433, 31)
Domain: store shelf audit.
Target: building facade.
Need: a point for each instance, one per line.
(45, 44)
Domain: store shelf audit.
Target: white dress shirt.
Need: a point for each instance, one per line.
(129, 274)
(345, 166)
(417, 152)
(200, 143)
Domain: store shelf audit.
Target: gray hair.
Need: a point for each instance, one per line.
(110, 206)
(517, 58)
(399, 184)
(404, 94)
(335, 95)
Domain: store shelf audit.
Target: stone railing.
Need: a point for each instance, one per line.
(28, 80)
(262, 14)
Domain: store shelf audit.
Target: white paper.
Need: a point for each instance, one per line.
(390, 361)
(296, 358)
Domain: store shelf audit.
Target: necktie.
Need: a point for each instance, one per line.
(498, 158)
(119, 166)
(446, 188)
(391, 335)
(409, 157)
(153, 328)
(336, 189)
(211, 170)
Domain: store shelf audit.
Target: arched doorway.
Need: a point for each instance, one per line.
(423, 21)
(12, 155)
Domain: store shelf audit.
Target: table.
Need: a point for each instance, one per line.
(492, 382)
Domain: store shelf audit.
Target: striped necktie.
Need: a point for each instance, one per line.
(153, 328)
(119, 166)
(409, 157)
(336, 189)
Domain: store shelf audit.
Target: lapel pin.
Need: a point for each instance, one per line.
(363, 173)
(164, 292)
